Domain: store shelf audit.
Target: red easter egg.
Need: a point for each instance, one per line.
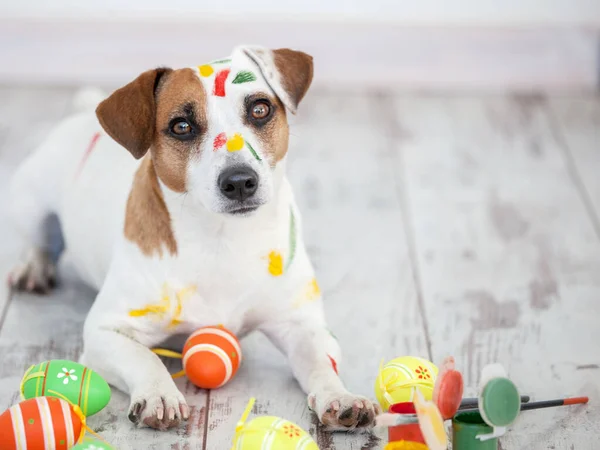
(38, 424)
(211, 357)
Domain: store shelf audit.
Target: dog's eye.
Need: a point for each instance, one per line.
(181, 128)
(260, 110)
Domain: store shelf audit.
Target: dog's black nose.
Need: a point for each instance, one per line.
(238, 183)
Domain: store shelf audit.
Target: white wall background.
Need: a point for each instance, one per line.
(403, 44)
(407, 12)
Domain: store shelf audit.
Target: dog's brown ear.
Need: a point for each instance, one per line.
(288, 72)
(129, 114)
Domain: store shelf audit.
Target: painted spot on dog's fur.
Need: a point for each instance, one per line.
(219, 141)
(160, 310)
(157, 310)
(206, 70)
(235, 143)
(219, 89)
(244, 76)
(275, 263)
(276, 266)
(258, 158)
(310, 293)
(88, 152)
(333, 364)
(292, 240)
(221, 61)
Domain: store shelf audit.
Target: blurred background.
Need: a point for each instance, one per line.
(430, 44)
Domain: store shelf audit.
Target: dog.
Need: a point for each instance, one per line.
(175, 189)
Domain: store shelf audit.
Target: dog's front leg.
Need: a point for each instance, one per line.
(314, 355)
(133, 368)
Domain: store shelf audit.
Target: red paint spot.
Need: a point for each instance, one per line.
(220, 79)
(333, 364)
(219, 141)
(87, 153)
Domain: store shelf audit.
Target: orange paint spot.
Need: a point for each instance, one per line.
(333, 364)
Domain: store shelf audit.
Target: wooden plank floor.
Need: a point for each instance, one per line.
(438, 225)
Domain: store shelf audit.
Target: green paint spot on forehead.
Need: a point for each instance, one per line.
(244, 76)
(62, 442)
(253, 151)
(31, 421)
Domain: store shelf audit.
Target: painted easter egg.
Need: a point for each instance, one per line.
(211, 357)
(405, 445)
(67, 379)
(40, 423)
(399, 378)
(92, 444)
(272, 433)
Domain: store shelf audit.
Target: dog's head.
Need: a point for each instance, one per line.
(218, 131)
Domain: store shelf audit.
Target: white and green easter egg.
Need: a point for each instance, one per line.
(67, 380)
(92, 444)
(272, 433)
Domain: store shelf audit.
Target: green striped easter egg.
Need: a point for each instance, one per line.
(67, 380)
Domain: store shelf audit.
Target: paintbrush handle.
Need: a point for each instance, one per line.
(544, 404)
(552, 403)
(473, 402)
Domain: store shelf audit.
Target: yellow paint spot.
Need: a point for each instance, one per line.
(206, 70)
(159, 310)
(310, 293)
(235, 143)
(314, 289)
(180, 295)
(275, 264)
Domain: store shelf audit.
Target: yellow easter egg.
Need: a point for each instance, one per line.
(272, 433)
(405, 445)
(399, 378)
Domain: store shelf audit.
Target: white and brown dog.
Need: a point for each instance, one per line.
(202, 215)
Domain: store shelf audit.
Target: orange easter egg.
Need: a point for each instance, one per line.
(211, 357)
(38, 424)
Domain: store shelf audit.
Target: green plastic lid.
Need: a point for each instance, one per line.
(499, 402)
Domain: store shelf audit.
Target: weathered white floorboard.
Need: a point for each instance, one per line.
(508, 256)
(576, 123)
(467, 207)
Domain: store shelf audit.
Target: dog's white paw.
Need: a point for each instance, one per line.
(344, 411)
(159, 409)
(37, 274)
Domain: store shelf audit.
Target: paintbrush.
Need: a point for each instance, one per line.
(470, 403)
(544, 404)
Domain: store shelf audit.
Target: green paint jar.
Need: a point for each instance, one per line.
(466, 427)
